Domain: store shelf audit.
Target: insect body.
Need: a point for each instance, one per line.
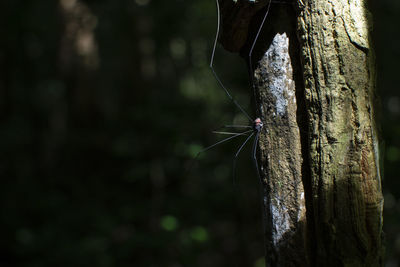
(257, 125)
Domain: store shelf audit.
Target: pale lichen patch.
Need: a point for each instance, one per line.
(278, 65)
(281, 220)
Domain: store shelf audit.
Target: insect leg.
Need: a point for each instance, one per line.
(222, 141)
(255, 156)
(213, 71)
(262, 190)
(236, 156)
(233, 126)
(252, 47)
(237, 126)
(229, 133)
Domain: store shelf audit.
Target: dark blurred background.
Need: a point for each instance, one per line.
(103, 105)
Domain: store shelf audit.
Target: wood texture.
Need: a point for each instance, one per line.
(315, 79)
(339, 80)
(281, 159)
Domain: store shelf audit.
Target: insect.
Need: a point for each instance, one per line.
(256, 125)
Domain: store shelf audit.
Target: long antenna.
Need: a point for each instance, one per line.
(215, 74)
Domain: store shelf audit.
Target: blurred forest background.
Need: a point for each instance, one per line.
(103, 105)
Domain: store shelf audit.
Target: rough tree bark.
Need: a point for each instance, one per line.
(315, 80)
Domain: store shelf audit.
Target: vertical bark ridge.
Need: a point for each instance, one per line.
(281, 156)
(339, 88)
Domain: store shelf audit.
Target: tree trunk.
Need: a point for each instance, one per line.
(315, 80)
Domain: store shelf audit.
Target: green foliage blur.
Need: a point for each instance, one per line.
(104, 105)
(387, 40)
